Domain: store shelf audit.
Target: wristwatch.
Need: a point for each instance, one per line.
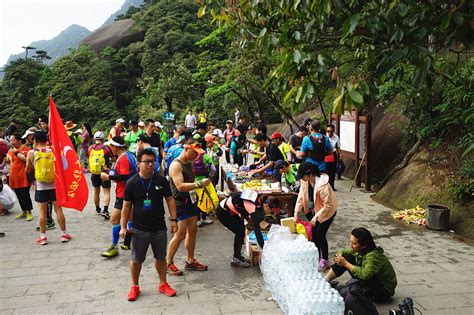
(173, 220)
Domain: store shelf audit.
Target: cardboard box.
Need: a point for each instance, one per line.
(289, 222)
(253, 251)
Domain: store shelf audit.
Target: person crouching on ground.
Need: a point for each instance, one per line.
(325, 205)
(368, 266)
(145, 192)
(232, 212)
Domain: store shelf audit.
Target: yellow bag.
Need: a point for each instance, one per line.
(44, 166)
(300, 229)
(208, 198)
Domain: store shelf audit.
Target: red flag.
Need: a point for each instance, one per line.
(71, 186)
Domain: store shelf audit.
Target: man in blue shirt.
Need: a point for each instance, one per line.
(316, 155)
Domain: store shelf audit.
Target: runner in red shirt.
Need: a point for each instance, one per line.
(125, 167)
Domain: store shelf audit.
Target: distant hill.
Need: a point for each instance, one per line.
(127, 4)
(59, 45)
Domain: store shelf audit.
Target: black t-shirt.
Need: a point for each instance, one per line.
(155, 140)
(273, 153)
(135, 191)
(296, 142)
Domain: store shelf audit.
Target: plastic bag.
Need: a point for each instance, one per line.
(207, 198)
(308, 227)
(300, 230)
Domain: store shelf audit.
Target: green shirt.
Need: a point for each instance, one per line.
(374, 264)
(164, 136)
(131, 139)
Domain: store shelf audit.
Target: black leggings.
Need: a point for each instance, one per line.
(235, 224)
(319, 232)
(23, 196)
(377, 290)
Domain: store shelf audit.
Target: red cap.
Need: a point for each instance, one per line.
(276, 135)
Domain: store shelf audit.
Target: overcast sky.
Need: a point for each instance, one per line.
(26, 21)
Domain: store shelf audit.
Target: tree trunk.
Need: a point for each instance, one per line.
(403, 163)
(169, 103)
(282, 111)
(322, 109)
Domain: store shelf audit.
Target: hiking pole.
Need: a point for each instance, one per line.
(357, 173)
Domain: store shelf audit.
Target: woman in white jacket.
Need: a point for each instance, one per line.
(325, 206)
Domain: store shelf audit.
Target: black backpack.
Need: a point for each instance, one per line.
(318, 153)
(357, 301)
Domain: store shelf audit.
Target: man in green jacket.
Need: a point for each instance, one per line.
(368, 266)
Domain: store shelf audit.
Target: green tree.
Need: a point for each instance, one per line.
(350, 44)
(18, 95)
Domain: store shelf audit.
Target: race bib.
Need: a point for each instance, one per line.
(250, 195)
(193, 196)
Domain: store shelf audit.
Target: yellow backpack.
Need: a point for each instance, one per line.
(97, 160)
(44, 166)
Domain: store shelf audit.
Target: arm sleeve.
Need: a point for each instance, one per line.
(256, 219)
(370, 267)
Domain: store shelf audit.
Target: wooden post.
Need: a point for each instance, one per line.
(357, 153)
(368, 148)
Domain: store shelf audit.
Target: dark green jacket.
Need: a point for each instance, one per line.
(374, 263)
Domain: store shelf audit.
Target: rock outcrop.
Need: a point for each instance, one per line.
(118, 34)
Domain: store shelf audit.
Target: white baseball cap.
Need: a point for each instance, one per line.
(141, 124)
(99, 135)
(120, 120)
(29, 131)
(158, 124)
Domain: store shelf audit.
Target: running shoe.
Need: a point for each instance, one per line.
(106, 215)
(29, 217)
(207, 221)
(166, 289)
(194, 265)
(49, 226)
(173, 270)
(324, 264)
(65, 238)
(112, 251)
(239, 263)
(133, 293)
(125, 247)
(97, 211)
(42, 240)
(21, 216)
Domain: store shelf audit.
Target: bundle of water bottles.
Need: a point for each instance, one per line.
(289, 266)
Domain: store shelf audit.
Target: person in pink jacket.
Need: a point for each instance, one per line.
(315, 186)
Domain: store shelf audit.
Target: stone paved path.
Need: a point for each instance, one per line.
(435, 268)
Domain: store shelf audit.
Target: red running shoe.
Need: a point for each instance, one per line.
(195, 265)
(134, 292)
(166, 289)
(173, 270)
(42, 240)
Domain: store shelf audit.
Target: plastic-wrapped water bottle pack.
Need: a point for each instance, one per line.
(289, 266)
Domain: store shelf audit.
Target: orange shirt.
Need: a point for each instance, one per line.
(18, 168)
